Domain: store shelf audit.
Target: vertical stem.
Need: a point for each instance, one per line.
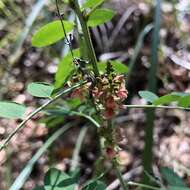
(110, 126)
(88, 41)
(147, 153)
(152, 86)
(119, 175)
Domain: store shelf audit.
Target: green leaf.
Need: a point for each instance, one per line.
(52, 121)
(51, 33)
(52, 177)
(95, 185)
(148, 96)
(100, 16)
(38, 89)
(172, 97)
(57, 180)
(2, 5)
(12, 110)
(184, 101)
(39, 188)
(178, 188)
(172, 178)
(75, 174)
(65, 67)
(117, 66)
(66, 1)
(167, 99)
(73, 103)
(91, 3)
(181, 94)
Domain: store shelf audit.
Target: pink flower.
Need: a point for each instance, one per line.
(122, 93)
(119, 78)
(110, 103)
(109, 113)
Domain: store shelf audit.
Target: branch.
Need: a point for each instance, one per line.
(21, 125)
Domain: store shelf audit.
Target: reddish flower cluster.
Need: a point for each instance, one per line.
(109, 93)
(81, 91)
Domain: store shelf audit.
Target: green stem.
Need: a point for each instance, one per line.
(142, 185)
(157, 107)
(86, 116)
(148, 138)
(22, 124)
(88, 41)
(152, 86)
(119, 175)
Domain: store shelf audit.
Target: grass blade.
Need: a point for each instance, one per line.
(28, 24)
(75, 158)
(21, 179)
(137, 49)
(152, 86)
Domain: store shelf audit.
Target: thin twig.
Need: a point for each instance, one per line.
(65, 111)
(157, 107)
(64, 31)
(21, 125)
(86, 116)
